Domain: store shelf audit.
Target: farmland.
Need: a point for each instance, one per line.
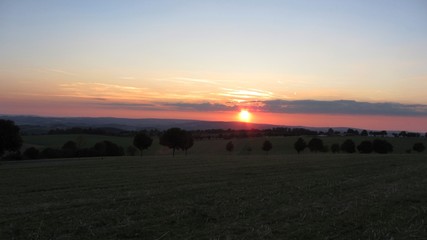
(307, 196)
(243, 146)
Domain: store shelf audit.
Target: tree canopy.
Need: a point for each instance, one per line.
(267, 146)
(177, 138)
(365, 147)
(300, 145)
(419, 147)
(10, 138)
(316, 145)
(348, 146)
(142, 141)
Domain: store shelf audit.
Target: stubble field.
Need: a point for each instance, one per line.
(308, 196)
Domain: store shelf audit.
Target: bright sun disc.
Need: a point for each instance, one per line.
(245, 116)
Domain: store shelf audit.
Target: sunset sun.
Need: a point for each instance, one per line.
(245, 116)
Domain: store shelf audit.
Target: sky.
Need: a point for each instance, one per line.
(291, 62)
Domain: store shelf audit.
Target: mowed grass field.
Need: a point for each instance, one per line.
(308, 196)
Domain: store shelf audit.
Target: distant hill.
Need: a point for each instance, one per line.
(39, 125)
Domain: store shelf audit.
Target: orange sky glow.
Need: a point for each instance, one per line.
(70, 109)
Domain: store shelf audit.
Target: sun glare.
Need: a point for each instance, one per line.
(245, 116)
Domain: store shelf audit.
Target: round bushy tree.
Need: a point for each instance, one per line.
(230, 146)
(300, 145)
(173, 138)
(382, 146)
(142, 141)
(419, 147)
(267, 146)
(348, 146)
(365, 147)
(316, 145)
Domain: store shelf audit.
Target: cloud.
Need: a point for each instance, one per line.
(130, 106)
(128, 97)
(280, 106)
(202, 107)
(344, 107)
(106, 91)
(196, 80)
(60, 71)
(242, 95)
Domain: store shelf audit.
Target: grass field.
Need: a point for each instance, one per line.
(281, 145)
(309, 196)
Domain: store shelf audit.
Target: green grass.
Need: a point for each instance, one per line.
(309, 196)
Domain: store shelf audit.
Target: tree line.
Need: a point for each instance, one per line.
(11, 142)
(179, 139)
(381, 146)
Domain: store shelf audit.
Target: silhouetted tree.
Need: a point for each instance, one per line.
(352, 132)
(172, 138)
(142, 141)
(10, 139)
(348, 146)
(230, 146)
(187, 141)
(31, 153)
(316, 145)
(365, 147)
(300, 145)
(364, 133)
(419, 147)
(382, 146)
(335, 148)
(267, 146)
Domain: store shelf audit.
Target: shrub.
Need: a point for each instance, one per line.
(267, 146)
(348, 146)
(419, 147)
(365, 147)
(382, 146)
(316, 145)
(300, 145)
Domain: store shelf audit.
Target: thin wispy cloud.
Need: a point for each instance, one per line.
(196, 80)
(241, 95)
(60, 71)
(107, 91)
